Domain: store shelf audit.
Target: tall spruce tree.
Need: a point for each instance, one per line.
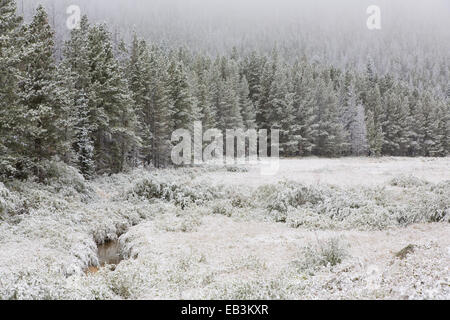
(11, 48)
(112, 115)
(281, 111)
(76, 60)
(374, 120)
(42, 95)
(305, 125)
(330, 140)
(182, 103)
(246, 105)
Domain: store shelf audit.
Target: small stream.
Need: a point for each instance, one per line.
(109, 253)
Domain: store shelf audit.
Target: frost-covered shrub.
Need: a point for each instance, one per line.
(437, 205)
(237, 169)
(326, 207)
(240, 197)
(58, 173)
(324, 253)
(407, 181)
(5, 202)
(11, 205)
(284, 195)
(222, 207)
(180, 192)
(15, 168)
(307, 218)
(428, 203)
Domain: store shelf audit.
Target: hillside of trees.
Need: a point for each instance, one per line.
(104, 105)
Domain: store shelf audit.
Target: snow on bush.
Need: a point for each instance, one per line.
(330, 207)
(180, 191)
(12, 205)
(407, 181)
(49, 232)
(324, 253)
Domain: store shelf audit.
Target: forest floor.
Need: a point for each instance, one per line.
(355, 228)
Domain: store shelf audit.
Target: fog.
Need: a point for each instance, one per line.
(328, 29)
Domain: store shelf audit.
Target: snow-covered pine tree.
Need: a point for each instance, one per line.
(182, 104)
(77, 61)
(246, 105)
(353, 119)
(42, 95)
(305, 125)
(394, 124)
(84, 144)
(159, 111)
(111, 107)
(138, 75)
(203, 92)
(415, 124)
(11, 47)
(253, 67)
(267, 78)
(148, 82)
(359, 144)
(331, 136)
(281, 111)
(347, 106)
(374, 113)
(440, 130)
(230, 110)
(216, 91)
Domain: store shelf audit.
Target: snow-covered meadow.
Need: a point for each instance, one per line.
(320, 228)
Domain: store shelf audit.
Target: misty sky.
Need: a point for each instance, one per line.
(330, 29)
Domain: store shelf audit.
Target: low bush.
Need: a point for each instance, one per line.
(407, 182)
(237, 169)
(182, 193)
(324, 253)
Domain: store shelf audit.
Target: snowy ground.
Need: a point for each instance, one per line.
(320, 228)
(344, 171)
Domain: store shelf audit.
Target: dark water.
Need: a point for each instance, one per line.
(109, 253)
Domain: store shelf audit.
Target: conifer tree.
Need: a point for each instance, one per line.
(204, 95)
(440, 130)
(253, 68)
(281, 114)
(230, 110)
(155, 110)
(330, 139)
(263, 106)
(246, 105)
(111, 108)
(415, 121)
(305, 125)
(394, 124)
(77, 61)
(11, 48)
(182, 104)
(42, 95)
(374, 120)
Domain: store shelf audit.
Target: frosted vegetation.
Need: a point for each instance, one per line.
(184, 238)
(104, 99)
(86, 119)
